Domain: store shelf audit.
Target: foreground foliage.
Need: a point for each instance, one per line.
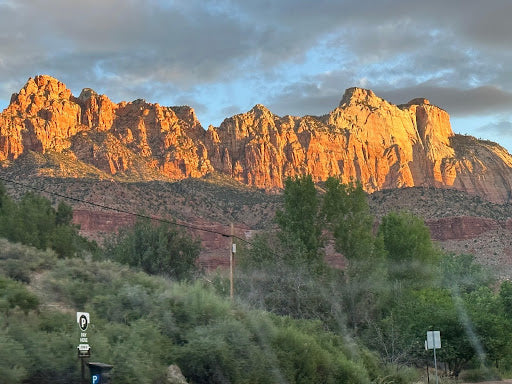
(294, 320)
(142, 324)
(396, 287)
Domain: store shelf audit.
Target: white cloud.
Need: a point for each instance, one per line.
(297, 56)
(363, 82)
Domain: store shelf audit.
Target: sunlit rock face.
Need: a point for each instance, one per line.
(40, 117)
(45, 116)
(365, 138)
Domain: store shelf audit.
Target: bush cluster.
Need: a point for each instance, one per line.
(294, 320)
(142, 324)
(34, 221)
(397, 284)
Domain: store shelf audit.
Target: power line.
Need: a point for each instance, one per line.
(106, 207)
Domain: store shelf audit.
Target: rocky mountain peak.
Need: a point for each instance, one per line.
(87, 93)
(258, 112)
(366, 138)
(356, 96)
(48, 83)
(260, 108)
(419, 101)
(39, 89)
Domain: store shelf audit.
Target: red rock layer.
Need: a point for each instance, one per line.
(460, 228)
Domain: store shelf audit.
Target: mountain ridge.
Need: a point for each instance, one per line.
(365, 138)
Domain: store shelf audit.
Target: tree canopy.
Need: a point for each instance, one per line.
(156, 249)
(299, 218)
(34, 221)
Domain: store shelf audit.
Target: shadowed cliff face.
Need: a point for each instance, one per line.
(365, 138)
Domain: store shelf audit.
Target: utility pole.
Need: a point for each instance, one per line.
(232, 251)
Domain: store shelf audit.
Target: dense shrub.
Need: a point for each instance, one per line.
(142, 324)
(156, 249)
(33, 221)
(320, 317)
(14, 295)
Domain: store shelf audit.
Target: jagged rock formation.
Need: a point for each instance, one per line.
(44, 116)
(365, 138)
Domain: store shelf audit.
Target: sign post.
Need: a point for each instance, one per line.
(84, 350)
(434, 342)
(231, 261)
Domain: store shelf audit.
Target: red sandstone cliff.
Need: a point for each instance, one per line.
(364, 138)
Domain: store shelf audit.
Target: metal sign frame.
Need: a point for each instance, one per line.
(83, 320)
(434, 342)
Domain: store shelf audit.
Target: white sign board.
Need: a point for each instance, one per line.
(433, 340)
(83, 320)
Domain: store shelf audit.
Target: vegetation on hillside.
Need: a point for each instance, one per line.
(141, 324)
(34, 221)
(294, 319)
(156, 249)
(397, 285)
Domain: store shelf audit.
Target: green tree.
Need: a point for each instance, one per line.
(156, 249)
(36, 220)
(491, 326)
(347, 214)
(65, 241)
(506, 297)
(399, 336)
(64, 214)
(276, 275)
(411, 255)
(299, 219)
(6, 202)
(7, 207)
(33, 221)
(460, 272)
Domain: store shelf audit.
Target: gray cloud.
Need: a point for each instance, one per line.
(140, 43)
(458, 102)
(499, 130)
(231, 110)
(310, 99)
(315, 95)
(455, 53)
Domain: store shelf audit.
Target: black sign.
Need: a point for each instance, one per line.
(83, 323)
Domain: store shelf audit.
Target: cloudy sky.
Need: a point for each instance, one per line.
(295, 56)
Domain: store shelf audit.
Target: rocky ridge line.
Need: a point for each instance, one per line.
(364, 138)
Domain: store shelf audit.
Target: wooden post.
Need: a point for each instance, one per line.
(82, 369)
(231, 257)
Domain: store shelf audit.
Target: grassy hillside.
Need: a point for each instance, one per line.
(142, 324)
(294, 319)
